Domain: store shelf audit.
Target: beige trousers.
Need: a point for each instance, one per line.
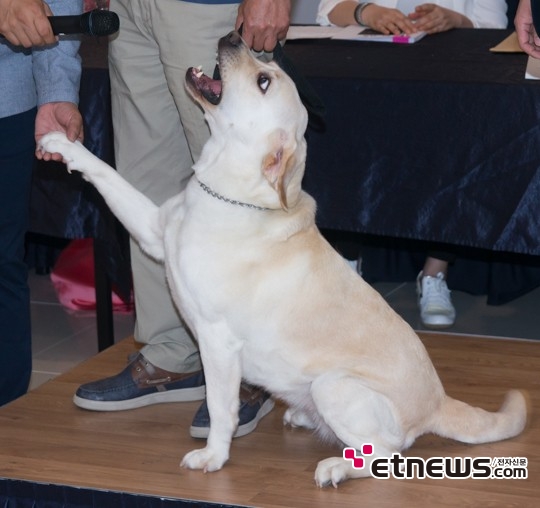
(159, 132)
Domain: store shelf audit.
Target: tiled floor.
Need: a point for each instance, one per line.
(63, 338)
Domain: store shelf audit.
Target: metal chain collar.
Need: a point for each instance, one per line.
(214, 194)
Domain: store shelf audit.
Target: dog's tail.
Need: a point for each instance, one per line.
(462, 422)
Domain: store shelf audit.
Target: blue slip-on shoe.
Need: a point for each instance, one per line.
(140, 384)
(255, 403)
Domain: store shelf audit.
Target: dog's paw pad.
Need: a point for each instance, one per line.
(204, 459)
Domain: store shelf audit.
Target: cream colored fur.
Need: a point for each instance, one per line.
(268, 298)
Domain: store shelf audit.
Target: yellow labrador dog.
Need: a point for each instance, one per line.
(268, 299)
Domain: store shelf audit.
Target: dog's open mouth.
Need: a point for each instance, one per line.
(208, 88)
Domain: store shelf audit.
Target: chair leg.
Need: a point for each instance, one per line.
(104, 307)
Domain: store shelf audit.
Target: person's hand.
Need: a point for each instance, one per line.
(431, 18)
(386, 20)
(25, 23)
(526, 33)
(58, 116)
(264, 22)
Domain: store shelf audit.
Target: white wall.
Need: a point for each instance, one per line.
(304, 11)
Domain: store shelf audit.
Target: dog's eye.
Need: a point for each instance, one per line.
(264, 82)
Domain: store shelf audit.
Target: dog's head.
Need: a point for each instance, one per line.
(256, 118)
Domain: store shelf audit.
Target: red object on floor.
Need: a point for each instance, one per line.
(74, 282)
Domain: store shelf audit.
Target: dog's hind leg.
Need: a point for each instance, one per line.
(358, 416)
(139, 215)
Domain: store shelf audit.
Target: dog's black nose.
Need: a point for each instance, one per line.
(233, 39)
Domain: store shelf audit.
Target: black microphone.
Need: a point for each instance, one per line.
(96, 22)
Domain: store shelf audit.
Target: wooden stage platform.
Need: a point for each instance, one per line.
(48, 445)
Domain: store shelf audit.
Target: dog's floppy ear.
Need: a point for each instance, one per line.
(277, 165)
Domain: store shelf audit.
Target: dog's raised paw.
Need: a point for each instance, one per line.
(55, 142)
(206, 459)
(74, 154)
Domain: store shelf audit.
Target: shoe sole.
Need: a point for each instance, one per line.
(437, 326)
(183, 395)
(242, 430)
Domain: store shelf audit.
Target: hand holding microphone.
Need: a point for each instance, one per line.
(25, 23)
(96, 22)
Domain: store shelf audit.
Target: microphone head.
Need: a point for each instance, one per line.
(99, 23)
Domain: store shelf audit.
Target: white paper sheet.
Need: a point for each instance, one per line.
(351, 33)
(533, 68)
(312, 32)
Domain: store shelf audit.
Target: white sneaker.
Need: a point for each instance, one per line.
(436, 309)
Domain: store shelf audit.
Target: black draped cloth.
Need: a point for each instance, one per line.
(437, 141)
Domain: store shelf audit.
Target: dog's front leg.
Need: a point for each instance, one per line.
(132, 208)
(222, 371)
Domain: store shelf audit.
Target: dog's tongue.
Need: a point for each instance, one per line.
(208, 83)
(214, 85)
(210, 88)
